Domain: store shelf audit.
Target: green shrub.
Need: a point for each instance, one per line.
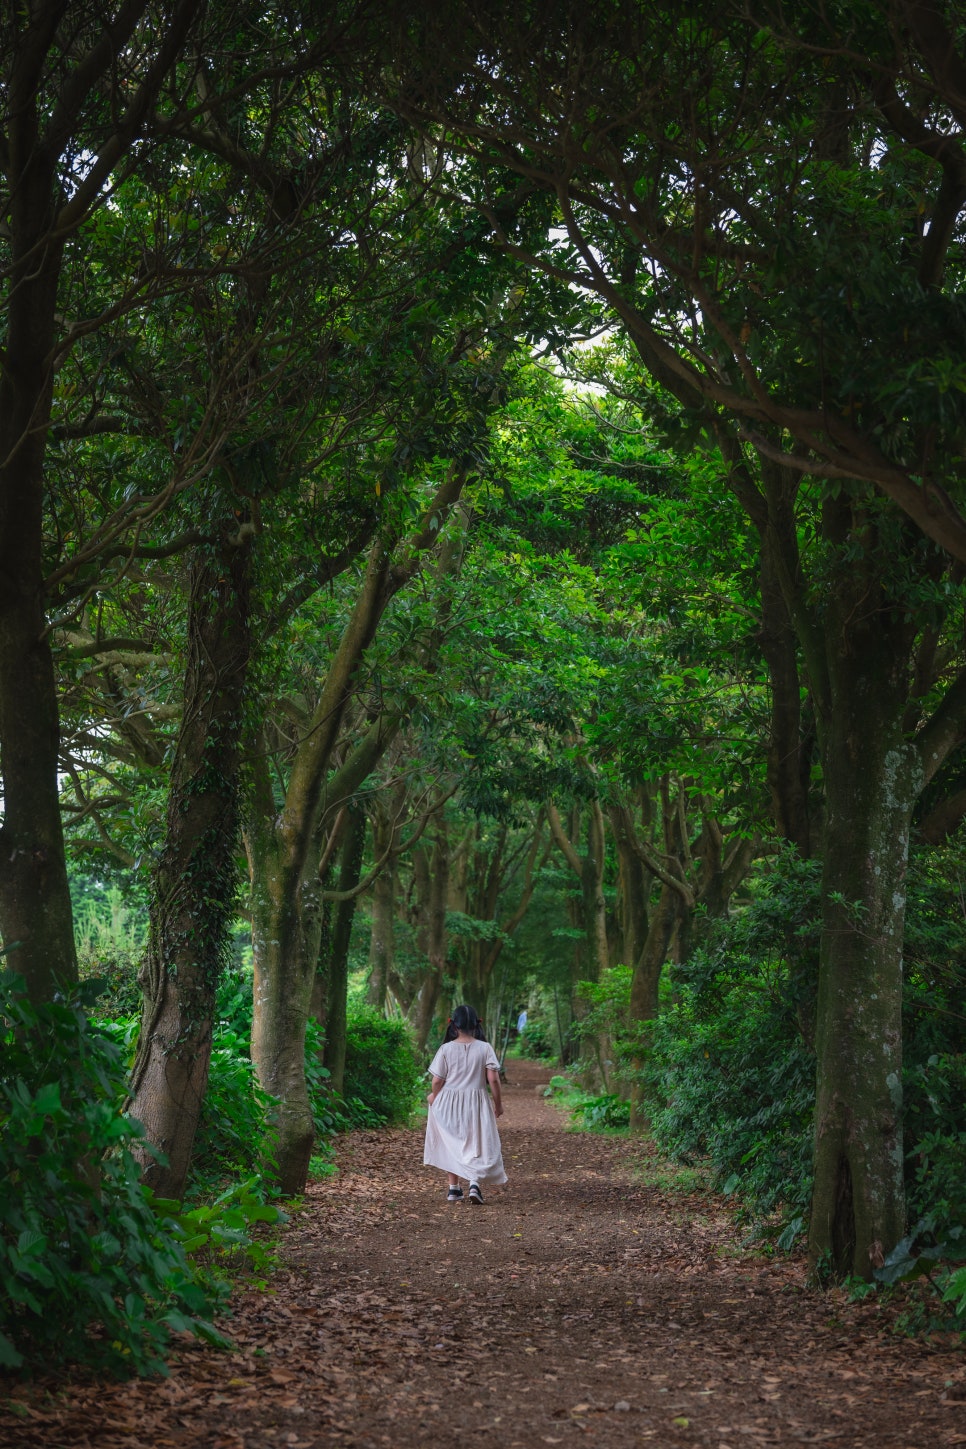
(226, 1236)
(730, 1074)
(738, 1089)
(233, 1130)
(601, 1114)
(936, 1178)
(91, 1274)
(934, 1042)
(382, 1079)
(617, 1042)
(537, 1042)
(113, 976)
(588, 1113)
(328, 1113)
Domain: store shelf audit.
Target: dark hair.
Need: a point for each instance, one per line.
(464, 1018)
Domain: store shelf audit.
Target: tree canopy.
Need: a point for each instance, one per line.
(482, 516)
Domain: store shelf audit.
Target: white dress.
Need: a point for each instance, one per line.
(461, 1130)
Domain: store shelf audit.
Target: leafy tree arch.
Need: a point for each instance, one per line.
(771, 205)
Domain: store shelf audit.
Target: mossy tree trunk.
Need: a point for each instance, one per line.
(873, 776)
(634, 886)
(194, 883)
(858, 1204)
(788, 758)
(36, 925)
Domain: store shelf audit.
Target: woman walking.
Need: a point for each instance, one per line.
(461, 1132)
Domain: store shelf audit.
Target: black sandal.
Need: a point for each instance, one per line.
(455, 1194)
(475, 1194)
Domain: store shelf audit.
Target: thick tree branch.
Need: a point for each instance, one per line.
(560, 836)
(946, 729)
(940, 822)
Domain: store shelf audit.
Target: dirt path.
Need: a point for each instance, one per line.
(577, 1307)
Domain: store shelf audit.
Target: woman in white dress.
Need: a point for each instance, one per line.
(461, 1132)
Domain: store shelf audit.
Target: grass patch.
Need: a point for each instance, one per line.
(321, 1166)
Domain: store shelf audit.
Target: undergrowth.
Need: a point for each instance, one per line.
(589, 1112)
(95, 1272)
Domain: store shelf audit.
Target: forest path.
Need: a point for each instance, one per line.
(584, 1304)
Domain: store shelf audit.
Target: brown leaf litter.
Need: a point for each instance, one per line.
(583, 1304)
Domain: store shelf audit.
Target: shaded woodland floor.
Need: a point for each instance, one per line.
(584, 1304)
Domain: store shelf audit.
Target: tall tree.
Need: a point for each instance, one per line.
(194, 888)
(771, 206)
(95, 104)
(79, 95)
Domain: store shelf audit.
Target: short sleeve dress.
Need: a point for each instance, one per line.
(461, 1130)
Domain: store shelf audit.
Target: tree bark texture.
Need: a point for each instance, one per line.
(194, 885)
(286, 930)
(382, 941)
(872, 779)
(435, 936)
(787, 753)
(36, 924)
(634, 886)
(334, 959)
(646, 980)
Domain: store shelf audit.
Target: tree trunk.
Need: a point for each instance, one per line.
(194, 882)
(436, 944)
(284, 855)
(286, 929)
(336, 949)
(634, 882)
(382, 942)
(591, 913)
(285, 848)
(858, 647)
(47, 87)
(787, 759)
(592, 886)
(872, 779)
(36, 924)
(646, 981)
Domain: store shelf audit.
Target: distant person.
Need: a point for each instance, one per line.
(462, 1138)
